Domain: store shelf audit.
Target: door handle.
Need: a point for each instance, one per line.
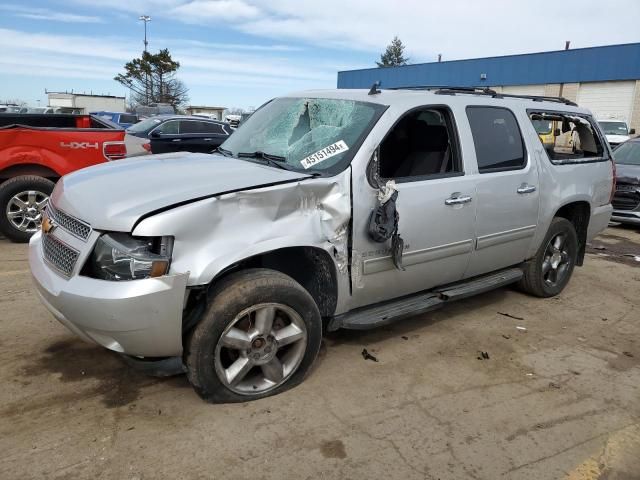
(526, 188)
(457, 199)
(176, 140)
(207, 139)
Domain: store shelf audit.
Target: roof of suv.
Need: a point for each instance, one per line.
(417, 97)
(186, 117)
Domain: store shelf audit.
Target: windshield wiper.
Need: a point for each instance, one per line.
(271, 160)
(225, 152)
(262, 155)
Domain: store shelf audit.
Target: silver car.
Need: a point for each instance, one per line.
(324, 210)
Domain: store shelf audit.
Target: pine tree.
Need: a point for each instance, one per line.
(393, 55)
(152, 79)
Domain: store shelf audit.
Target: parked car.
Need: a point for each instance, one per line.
(10, 108)
(233, 120)
(626, 201)
(36, 150)
(326, 209)
(181, 133)
(125, 120)
(616, 131)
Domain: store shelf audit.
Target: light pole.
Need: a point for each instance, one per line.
(146, 19)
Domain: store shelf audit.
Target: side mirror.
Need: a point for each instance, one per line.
(632, 131)
(156, 134)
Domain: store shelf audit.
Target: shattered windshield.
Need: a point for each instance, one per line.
(315, 134)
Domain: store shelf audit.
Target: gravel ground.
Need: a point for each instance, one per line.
(557, 400)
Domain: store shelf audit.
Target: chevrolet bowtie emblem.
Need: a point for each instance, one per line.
(48, 225)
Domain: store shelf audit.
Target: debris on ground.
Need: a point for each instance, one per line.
(506, 336)
(522, 329)
(529, 374)
(628, 354)
(367, 356)
(404, 337)
(553, 385)
(510, 316)
(483, 356)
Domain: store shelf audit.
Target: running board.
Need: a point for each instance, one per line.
(389, 312)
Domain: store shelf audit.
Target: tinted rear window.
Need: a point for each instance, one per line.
(497, 139)
(128, 118)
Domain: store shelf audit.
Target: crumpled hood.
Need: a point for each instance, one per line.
(113, 196)
(629, 174)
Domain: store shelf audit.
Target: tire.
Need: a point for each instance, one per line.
(538, 276)
(233, 314)
(18, 189)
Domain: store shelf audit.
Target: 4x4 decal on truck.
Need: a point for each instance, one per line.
(79, 145)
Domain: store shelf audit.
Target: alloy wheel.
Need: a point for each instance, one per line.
(260, 349)
(557, 260)
(24, 210)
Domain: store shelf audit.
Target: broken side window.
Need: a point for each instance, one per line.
(568, 137)
(420, 145)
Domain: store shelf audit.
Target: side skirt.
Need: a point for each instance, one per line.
(391, 311)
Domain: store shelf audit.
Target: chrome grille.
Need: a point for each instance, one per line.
(60, 256)
(72, 225)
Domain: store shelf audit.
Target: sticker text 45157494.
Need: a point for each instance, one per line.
(322, 155)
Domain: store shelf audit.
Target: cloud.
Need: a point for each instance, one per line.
(75, 56)
(205, 11)
(456, 28)
(49, 15)
(179, 42)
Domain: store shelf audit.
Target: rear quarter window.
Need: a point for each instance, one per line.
(572, 138)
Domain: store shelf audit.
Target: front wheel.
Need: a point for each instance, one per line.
(259, 336)
(22, 201)
(546, 274)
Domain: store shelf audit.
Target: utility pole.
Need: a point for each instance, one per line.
(146, 19)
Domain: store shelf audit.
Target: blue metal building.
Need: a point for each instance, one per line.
(605, 79)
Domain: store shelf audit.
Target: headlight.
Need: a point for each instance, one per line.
(119, 256)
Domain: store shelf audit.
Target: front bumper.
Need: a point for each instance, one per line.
(137, 317)
(626, 216)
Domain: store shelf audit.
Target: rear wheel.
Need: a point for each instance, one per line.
(546, 274)
(258, 337)
(22, 201)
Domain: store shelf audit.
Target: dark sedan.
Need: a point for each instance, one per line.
(626, 201)
(181, 133)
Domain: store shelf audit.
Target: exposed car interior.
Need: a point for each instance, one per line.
(569, 137)
(419, 145)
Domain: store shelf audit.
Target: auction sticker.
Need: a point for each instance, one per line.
(327, 152)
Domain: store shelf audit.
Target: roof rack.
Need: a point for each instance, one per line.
(449, 90)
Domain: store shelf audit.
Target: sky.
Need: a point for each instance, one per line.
(241, 53)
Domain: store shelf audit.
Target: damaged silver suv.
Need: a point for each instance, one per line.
(325, 210)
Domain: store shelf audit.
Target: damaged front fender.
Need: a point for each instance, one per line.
(215, 233)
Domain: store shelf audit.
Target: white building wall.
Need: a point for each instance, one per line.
(608, 99)
(94, 104)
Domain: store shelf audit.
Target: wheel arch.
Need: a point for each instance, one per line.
(25, 169)
(579, 214)
(311, 267)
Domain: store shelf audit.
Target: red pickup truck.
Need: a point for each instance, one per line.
(35, 151)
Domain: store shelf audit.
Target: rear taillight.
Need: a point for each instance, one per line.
(114, 150)
(613, 182)
(147, 146)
